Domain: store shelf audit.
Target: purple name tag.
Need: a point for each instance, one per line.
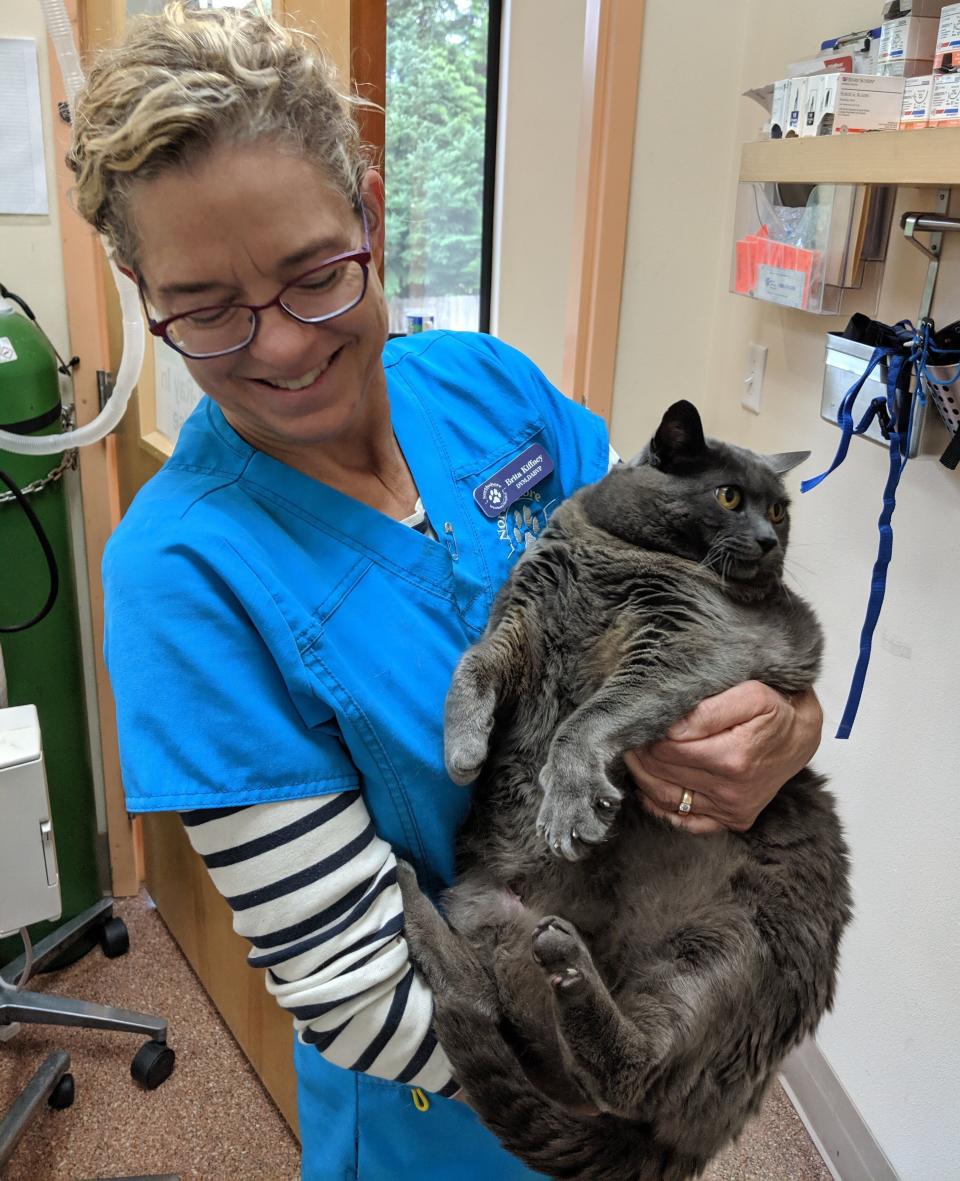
(496, 494)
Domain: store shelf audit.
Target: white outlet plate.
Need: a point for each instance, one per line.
(753, 378)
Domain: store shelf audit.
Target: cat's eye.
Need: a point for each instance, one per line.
(777, 512)
(729, 496)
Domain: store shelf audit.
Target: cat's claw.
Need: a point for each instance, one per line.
(569, 823)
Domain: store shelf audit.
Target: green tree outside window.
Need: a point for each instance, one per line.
(436, 106)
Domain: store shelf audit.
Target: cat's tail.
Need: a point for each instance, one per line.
(544, 1135)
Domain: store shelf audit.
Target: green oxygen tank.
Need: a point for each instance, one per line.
(44, 663)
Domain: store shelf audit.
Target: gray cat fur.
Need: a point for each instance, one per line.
(632, 1037)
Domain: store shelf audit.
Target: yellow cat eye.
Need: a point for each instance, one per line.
(728, 496)
(776, 512)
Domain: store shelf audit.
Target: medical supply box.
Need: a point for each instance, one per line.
(915, 112)
(945, 101)
(908, 37)
(948, 35)
(908, 67)
(852, 103)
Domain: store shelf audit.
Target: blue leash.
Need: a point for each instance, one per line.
(890, 411)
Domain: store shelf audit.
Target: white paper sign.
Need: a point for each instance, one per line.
(781, 285)
(176, 391)
(23, 174)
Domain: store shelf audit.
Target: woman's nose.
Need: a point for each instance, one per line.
(280, 339)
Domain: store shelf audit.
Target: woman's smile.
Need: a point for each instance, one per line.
(309, 382)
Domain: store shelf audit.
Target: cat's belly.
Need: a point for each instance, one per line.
(627, 895)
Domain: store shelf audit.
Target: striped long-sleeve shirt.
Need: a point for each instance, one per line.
(314, 889)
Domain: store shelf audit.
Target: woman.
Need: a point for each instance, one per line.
(287, 598)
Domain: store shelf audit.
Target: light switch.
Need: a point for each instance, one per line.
(753, 379)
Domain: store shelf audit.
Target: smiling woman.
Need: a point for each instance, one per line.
(287, 599)
(210, 233)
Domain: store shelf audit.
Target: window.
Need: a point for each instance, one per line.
(442, 72)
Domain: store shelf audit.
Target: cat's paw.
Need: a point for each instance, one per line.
(561, 953)
(465, 751)
(571, 820)
(468, 723)
(407, 880)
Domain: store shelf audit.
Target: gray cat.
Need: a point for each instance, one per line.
(632, 1037)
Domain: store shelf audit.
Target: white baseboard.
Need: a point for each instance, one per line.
(846, 1144)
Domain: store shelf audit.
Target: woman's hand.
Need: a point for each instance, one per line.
(733, 752)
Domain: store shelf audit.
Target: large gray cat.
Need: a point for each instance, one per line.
(614, 995)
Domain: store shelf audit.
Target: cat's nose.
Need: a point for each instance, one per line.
(766, 543)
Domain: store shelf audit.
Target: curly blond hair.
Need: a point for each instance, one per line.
(186, 80)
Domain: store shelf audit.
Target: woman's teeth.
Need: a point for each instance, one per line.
(300, 383)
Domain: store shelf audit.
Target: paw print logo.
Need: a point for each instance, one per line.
(494, 495)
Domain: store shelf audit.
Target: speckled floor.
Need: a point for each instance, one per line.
(212, 1120)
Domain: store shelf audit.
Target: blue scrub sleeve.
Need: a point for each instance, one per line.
(214, 708)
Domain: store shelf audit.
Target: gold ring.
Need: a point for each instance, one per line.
(686, 803)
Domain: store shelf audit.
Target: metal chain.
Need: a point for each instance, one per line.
(68, 463)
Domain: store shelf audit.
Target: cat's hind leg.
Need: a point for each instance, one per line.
(610, 1056)
(445, 959)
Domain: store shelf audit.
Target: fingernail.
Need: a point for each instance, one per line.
(678, 729)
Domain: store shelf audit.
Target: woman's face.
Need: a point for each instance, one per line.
(236, 227)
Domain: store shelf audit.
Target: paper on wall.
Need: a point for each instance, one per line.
(23, 174)
(176, 392)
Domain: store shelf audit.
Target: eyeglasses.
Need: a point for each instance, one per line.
(320, 294)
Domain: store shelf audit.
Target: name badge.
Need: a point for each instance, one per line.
(496, 494)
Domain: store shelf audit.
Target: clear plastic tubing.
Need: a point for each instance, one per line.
(61, 34)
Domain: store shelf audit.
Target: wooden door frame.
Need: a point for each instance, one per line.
(613, 41)
(87, 315)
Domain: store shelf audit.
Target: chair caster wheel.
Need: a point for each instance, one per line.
(114, 938)
(152, 1065)
(63, 1093)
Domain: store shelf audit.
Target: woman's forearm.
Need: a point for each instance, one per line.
(314, 889)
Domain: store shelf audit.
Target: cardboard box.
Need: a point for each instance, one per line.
(796, 106)
(909, 36)
(948, 33)
(908, 67)
(895, 8)
(813, 101)
(779, 110)
(915, 111)
(853, 103)
(945, 101)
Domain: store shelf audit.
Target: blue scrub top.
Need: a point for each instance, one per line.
(269, 638)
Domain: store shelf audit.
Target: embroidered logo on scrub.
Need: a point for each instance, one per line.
(496, 494)
(521, 525)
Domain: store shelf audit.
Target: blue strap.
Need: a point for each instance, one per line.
(845, 417)
(899, 441)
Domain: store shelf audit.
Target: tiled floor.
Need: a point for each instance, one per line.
(212, 1120)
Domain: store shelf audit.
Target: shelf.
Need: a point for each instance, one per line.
(930, 157)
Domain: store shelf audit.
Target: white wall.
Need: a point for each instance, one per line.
(31, 260)
(541, 69)
(894, 1037)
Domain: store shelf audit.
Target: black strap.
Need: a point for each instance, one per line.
(951, 457)
(26, 426)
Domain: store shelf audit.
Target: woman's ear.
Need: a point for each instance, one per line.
(373, 197)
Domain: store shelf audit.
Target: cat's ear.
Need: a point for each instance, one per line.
(679, 436)
(786, 461)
